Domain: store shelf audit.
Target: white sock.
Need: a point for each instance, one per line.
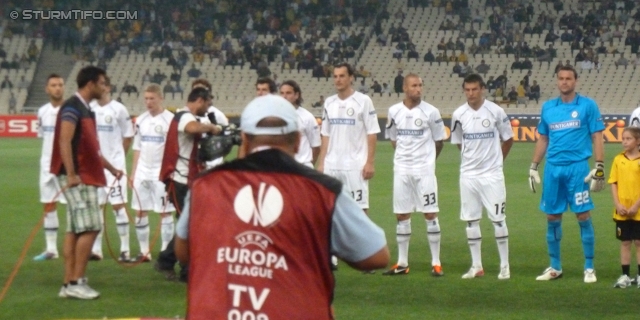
(502, 238)
(403, 234)
(122, 223)
(142, 231)
(97, 245)
(51, 231)
(166, 231)
(474, 238)
(433, 235)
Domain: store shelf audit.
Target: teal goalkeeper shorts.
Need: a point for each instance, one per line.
(564, 186)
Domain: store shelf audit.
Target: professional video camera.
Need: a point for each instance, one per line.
(215, 146)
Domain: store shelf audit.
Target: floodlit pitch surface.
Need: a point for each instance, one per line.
(142, 292)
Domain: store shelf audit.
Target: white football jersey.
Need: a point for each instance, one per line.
(480, 133)
(222, 120)
(113, 123)
(185, 146)
(150, 139)
(634, 120)
(415, 131)
(47, 117)
(309, 135)
(348, 123)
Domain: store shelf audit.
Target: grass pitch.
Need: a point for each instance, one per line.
(140, 291)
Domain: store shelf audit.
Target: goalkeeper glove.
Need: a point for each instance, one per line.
(596, 177)
(534, 177)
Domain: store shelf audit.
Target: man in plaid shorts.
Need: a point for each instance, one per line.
(79, 166)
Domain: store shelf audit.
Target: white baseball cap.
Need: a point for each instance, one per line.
(269, 106)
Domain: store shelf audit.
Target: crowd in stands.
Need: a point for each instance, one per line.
(186, 33)
(17, 64)
(508, 22)
(165, 29)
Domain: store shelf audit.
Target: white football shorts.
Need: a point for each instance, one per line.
(50, 188)
(478, 192)
(413, 193)
(113, 193)
(354, 184)
(150, 195)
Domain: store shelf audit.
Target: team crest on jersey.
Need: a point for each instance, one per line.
(265, 211)
(350, 111)
(418, 122)
(486, 123)
(574, 114)
(158, 128)
(108, 119)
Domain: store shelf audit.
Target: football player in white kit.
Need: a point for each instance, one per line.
(148, 148)
(115, 133)
(416, 131)
(634, 119)
(309, 130)
(348, 138)
(349, 135)
(49, 187)
(482, 131)
(213, 115)
(264, 86)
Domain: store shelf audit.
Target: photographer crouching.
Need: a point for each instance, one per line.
(180, 164)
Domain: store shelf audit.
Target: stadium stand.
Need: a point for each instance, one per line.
(303, 26)
(231, 43)
(19, 53)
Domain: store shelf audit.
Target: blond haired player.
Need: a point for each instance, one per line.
(148, 148)
(115, 132)
(49, 187)
(416, 131)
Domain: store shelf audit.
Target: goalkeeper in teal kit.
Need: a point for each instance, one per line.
(570, 133)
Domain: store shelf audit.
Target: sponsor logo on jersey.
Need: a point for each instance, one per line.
(372, 113)
(152, 139)
(476, 136)
(105, 128)
(418, 122)
(486, 123)
(565, 125)
(410, 132)
(342, 121)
